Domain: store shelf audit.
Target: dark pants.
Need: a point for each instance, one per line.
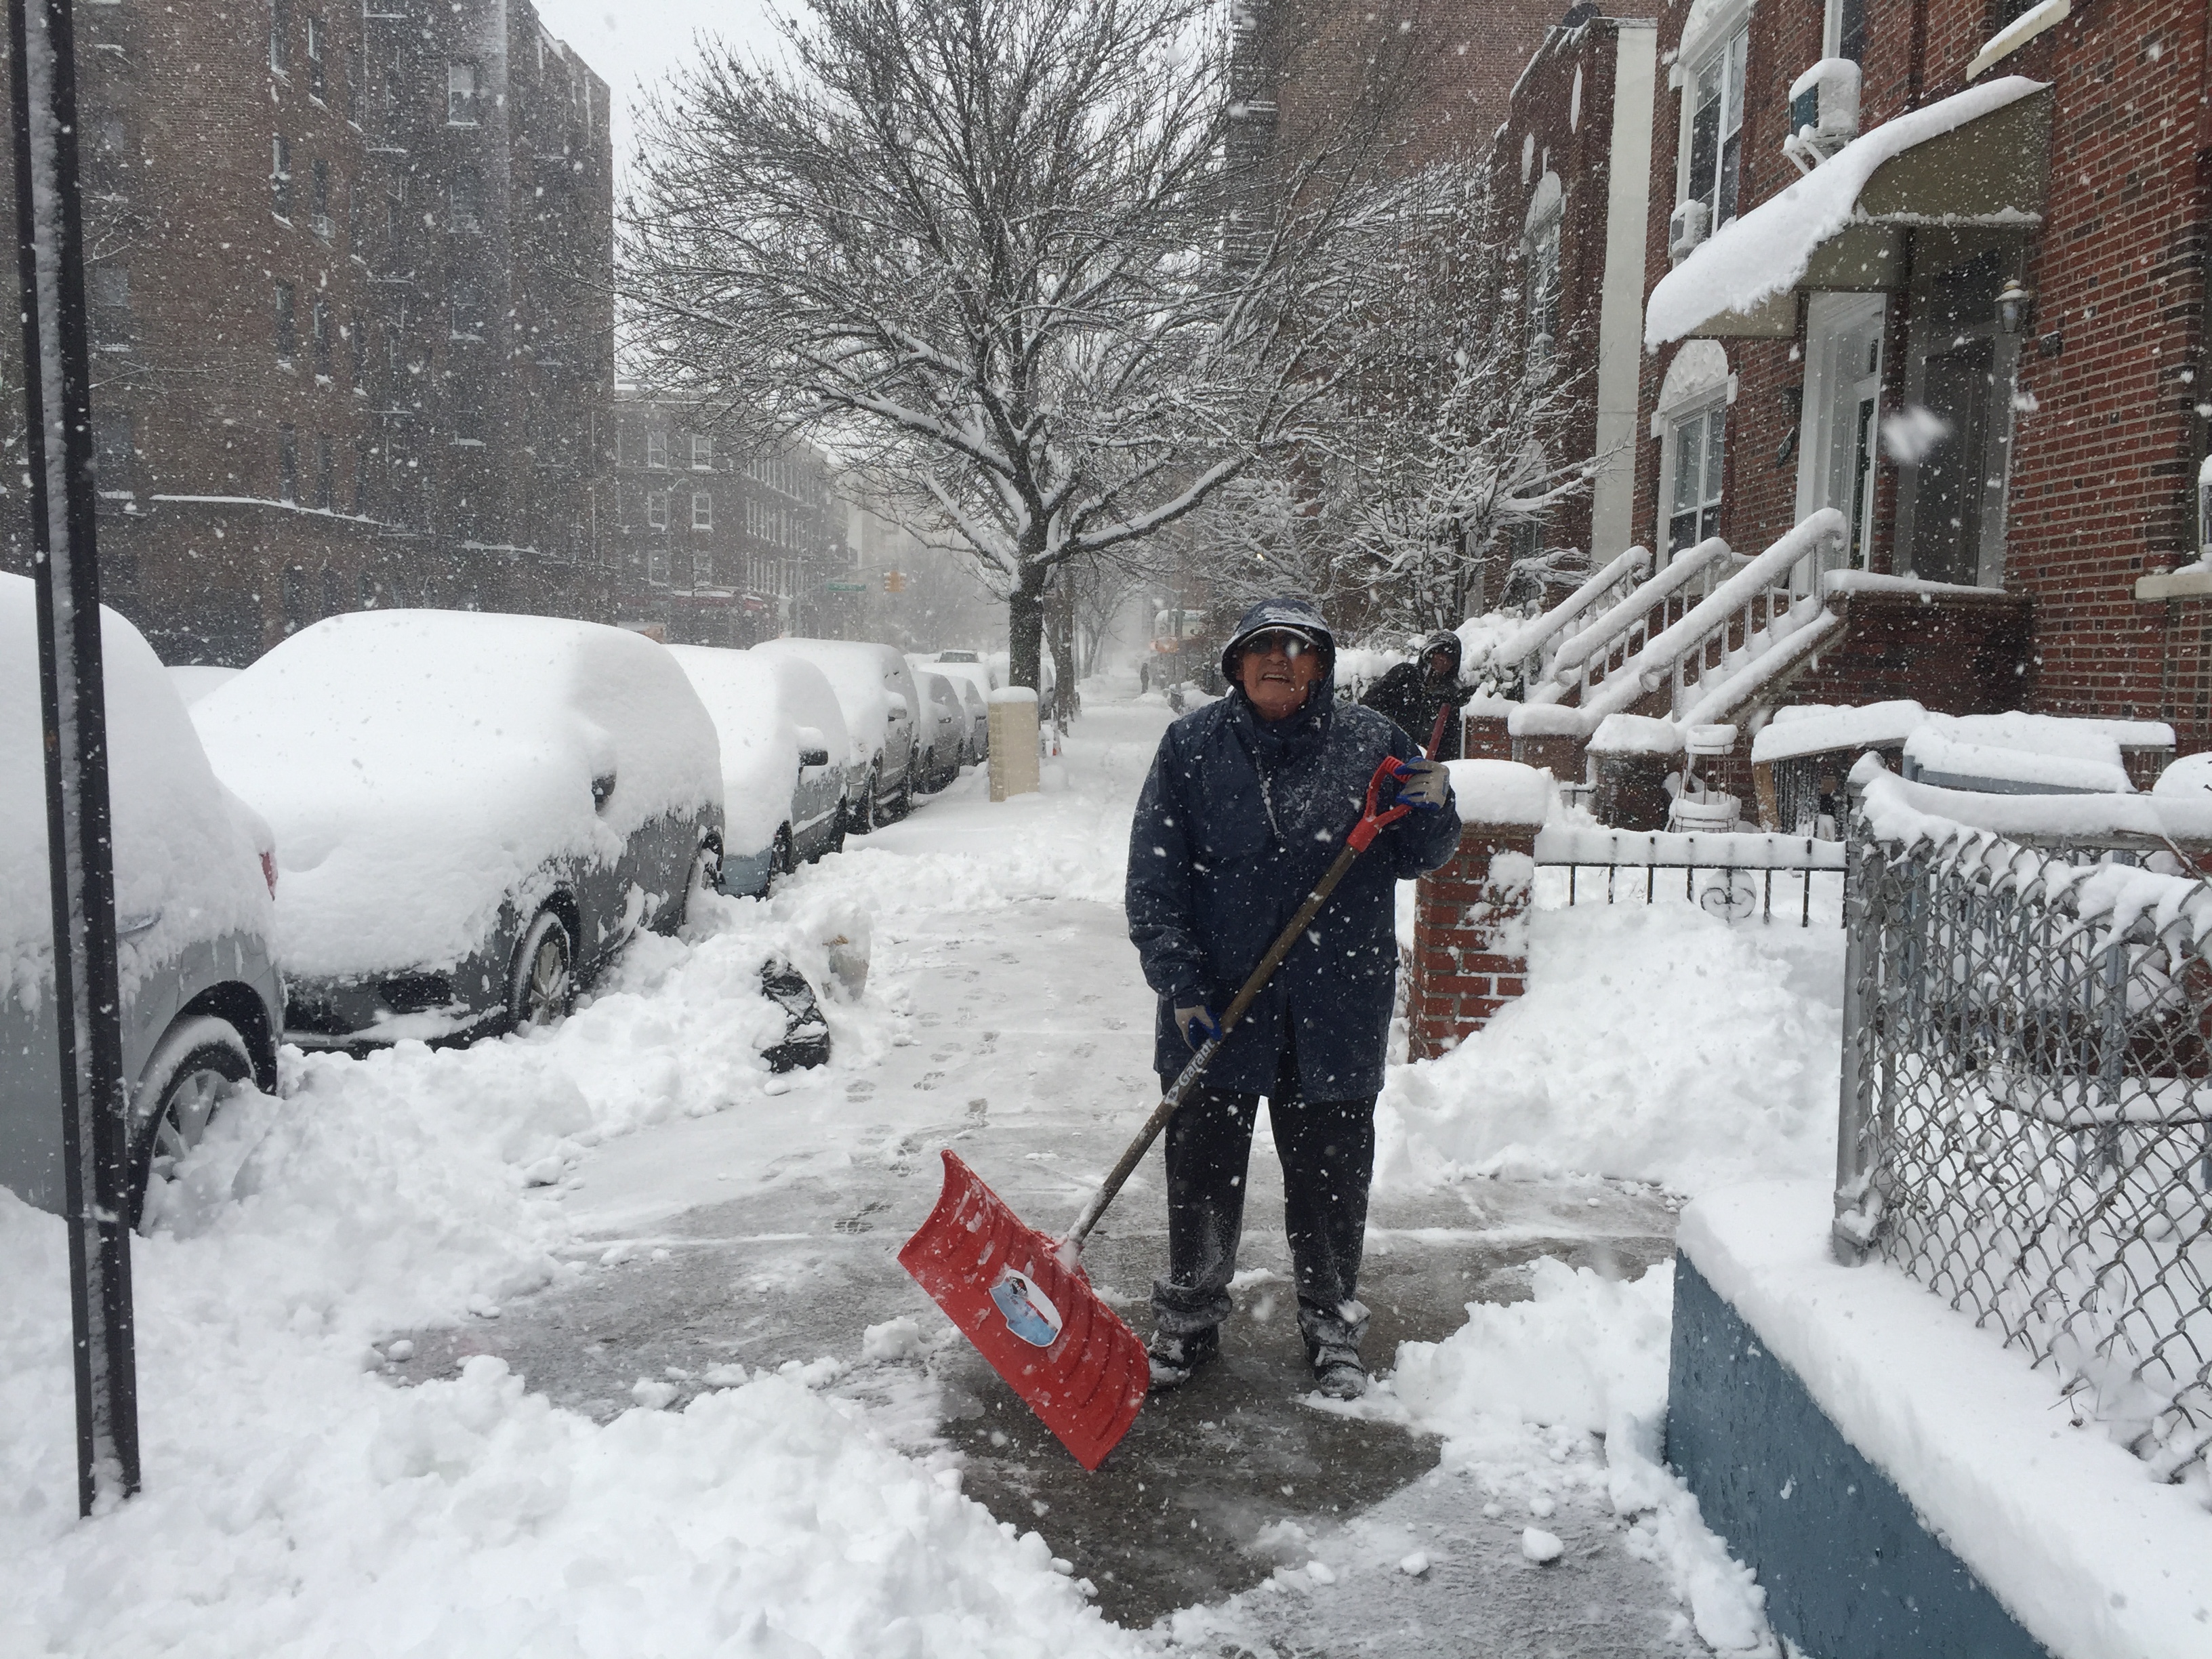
(1327, 1153)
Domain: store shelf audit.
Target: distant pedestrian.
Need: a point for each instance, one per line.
(1412, 693)
(1248, 800)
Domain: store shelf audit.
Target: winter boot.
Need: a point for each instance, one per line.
(1174, 1358)
(1337, 1372)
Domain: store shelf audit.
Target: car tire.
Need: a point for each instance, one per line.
(837, 835)
(906, 789)
(781, 859)
(864, 821)
(198, 1063)
(542, 987)
(704, 875)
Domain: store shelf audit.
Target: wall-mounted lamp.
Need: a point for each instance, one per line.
(2015, 303)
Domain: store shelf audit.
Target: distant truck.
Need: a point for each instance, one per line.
(1183, 653)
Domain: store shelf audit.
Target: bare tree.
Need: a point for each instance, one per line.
(1000, 253)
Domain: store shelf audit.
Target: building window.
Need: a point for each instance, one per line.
(656, 566)
(656, 448)
(113, 445)
(1699, 446)
(702, 453)
(468, 309)
(111, 303)
(296, 599)
(280, 177)
(333, 591)
(1541, 281)
(326, 475)
(315, 82)
(461, 200)
(703, 570)
(288, 337)
(364, 459)
(319, 337)
(1716, 129)
(464, 94)
(288, 465)
(318, 187)
(357, 337)
(703, 510)
(656, 508)
(280, 32)
(355, 76)
(1845, 34)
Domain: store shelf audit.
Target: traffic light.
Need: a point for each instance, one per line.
(894, 581)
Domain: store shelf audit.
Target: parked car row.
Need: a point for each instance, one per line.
(424, 824)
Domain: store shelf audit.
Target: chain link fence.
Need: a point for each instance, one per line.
(2026, 1110)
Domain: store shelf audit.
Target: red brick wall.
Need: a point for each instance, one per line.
(1470, 937)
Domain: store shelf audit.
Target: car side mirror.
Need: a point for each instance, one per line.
(814, 757)
(603, 789)
(899, 709)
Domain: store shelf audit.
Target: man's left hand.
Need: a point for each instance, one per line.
(1425, 785)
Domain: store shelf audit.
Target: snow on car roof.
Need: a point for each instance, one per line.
(181, 857)
(760, 741)
(854, 670)
(418, 766)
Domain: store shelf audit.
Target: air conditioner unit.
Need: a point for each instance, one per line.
(1824, 111)
(1685, 227)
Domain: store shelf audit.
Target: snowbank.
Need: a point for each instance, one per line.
(297, 1503)
(1765, 253)
(1585, 1354)
(181, 857)
(1655, 1044)
(417, 766)
(2091, 1555)
(759, 739)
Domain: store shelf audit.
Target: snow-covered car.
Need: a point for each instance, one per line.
(473, 813)
(971, 678)
(783, 792)
(945, 731)
(876, 689)
(202, 1005)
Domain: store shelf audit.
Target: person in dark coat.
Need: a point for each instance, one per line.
(1248, 800)
(1412, 692)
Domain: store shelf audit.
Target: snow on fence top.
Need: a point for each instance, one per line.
(1765, 253)
(1816, 728)
(1910, 813)
(1635, 734)
(1013, 694)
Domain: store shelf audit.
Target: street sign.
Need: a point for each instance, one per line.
(845, 587)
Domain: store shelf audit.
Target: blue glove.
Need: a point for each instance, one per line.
(1197, 1024)
(1426, 784)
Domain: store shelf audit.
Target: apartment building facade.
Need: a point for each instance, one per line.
(349, 276)
(720, 544)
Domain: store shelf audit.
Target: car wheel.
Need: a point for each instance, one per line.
(706, 876)
(905, 790)
(195, 1067)
(864, 821)
(780, 861)
(837, 835)
(543, 986)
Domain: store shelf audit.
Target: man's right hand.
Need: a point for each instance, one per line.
(1196, 1024)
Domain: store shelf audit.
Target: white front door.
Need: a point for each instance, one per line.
(1842, 417)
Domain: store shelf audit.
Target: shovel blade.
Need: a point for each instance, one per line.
(1069, 1356)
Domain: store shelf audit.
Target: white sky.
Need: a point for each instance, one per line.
(635, 44)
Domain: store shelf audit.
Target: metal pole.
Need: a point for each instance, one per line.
(88, 1021)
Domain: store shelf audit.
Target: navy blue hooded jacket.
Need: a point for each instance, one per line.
(1238, 821)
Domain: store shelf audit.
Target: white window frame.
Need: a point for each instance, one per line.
(656, 508)
(463, 101)
(1727, 42)
(656, 449)
(703, 510)
(1711, 495)
(702, 453)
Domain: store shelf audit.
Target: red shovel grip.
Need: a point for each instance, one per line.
(1376, 817)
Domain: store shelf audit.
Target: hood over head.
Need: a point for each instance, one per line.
(1286, 611)
(1443, 640)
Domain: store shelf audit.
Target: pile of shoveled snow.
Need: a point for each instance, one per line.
(1585, 1359)
(296, 1502)
(1656, 1042)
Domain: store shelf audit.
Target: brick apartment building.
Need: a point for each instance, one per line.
(348, 270)
(1939, 264)
(719, 546)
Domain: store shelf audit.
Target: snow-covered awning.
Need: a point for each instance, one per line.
(1979, 157)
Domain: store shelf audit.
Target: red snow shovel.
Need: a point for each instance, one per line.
(1021, 1298)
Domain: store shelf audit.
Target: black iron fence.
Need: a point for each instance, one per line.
(1731, 875)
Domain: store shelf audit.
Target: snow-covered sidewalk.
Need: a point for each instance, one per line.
(299, 1500)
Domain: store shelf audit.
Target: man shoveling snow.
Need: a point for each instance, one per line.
(1247, 803)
